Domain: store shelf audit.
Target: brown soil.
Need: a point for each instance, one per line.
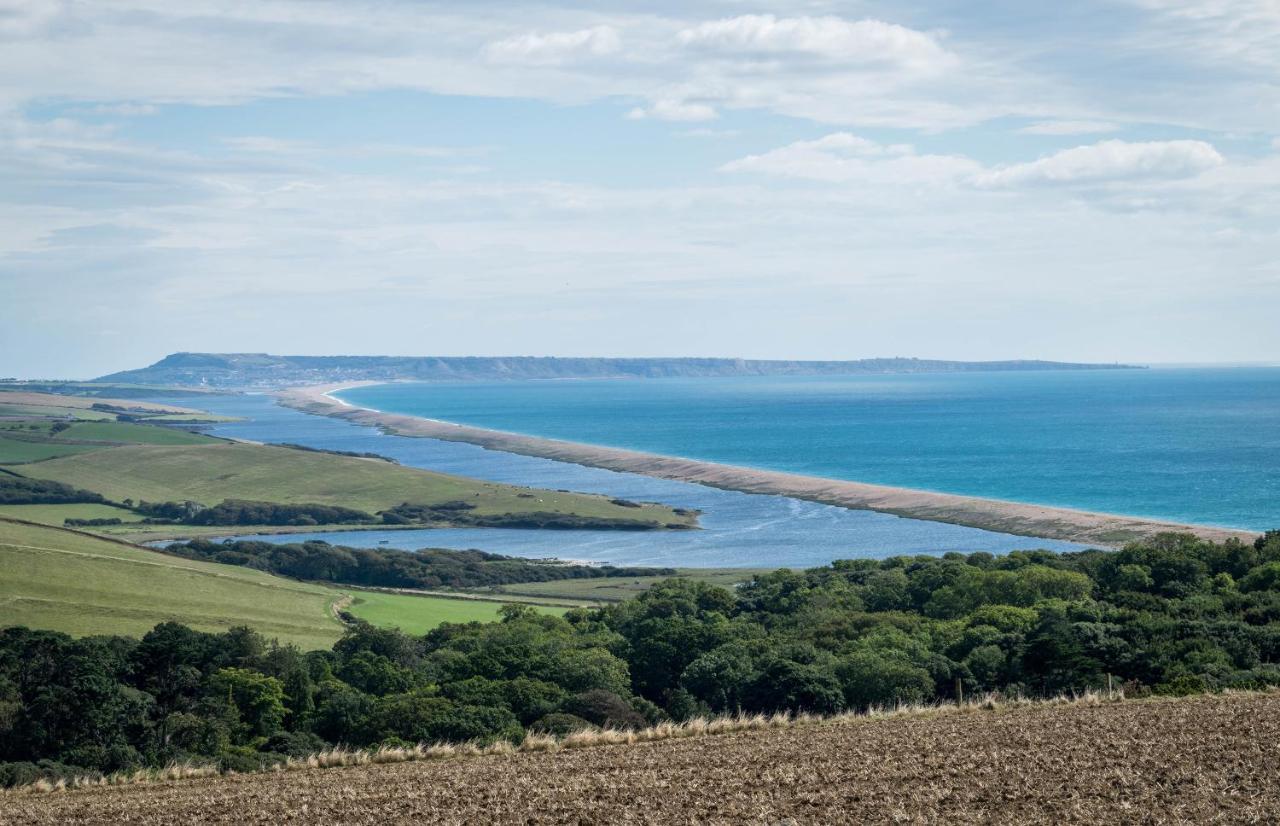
(1097, 529)
(1201, 760)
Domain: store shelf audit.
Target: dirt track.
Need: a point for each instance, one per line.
(1098, 529)
(1207, 759)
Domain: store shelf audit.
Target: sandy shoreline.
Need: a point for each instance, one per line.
(1099, 529)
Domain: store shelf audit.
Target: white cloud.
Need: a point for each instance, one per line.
(1237, 32)
(1069, 127)
(554, 48)
(300, 148)
(706, 132)
(127, 110)
(845, 158)
(1109, 161)
(676, 110)
(831, 38)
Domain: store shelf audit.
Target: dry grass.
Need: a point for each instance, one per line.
(1203, 759)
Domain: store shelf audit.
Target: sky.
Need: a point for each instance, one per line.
(1089, 181)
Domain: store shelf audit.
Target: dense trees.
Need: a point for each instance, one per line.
(1174, 615)
(390, 568)
(19, 490)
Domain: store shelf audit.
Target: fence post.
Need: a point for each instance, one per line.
(959, 692)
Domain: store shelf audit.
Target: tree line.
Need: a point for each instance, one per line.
(391, 568)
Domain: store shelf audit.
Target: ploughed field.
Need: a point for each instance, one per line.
(1203, 759)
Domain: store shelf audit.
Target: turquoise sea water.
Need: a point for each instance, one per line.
(1194, 445)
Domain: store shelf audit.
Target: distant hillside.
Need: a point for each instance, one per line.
(237, 370)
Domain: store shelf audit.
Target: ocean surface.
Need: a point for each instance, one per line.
(739, 529)
(1192, 445)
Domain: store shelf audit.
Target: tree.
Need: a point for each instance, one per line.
(257, 699)
(869, 679)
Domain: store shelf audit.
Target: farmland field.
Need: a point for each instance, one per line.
(419, 614)
(1201, 759)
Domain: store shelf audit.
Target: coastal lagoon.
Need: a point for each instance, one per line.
(1188, 445)
(739, 529)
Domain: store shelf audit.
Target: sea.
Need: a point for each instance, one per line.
(1198, 445)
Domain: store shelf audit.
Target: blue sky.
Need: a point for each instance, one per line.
(1083, 181)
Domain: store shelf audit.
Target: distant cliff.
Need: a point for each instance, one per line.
(259, 370)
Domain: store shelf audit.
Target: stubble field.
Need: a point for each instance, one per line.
(1206, 759)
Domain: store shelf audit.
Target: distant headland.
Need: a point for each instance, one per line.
(261, 370)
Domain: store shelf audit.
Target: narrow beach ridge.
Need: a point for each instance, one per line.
(1085, 527)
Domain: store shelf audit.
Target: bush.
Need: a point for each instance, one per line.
(604, 709)
(560, 724)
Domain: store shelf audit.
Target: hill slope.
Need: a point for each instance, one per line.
(69, 581)
(1189, 760)
(263, 370)
(63, 580)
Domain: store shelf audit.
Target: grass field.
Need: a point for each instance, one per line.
(55, 514)
(1191, 760)
(15, 451)
(7, 409)
(617, 589)
(417, 615)
(211, 473)
(80, 584)
(129, 433)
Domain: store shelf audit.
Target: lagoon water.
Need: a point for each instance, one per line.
(738, 529)
(1190, 445)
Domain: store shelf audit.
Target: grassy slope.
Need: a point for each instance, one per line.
(418, 615)
(69, 581)
(81, 584)
(212, 473)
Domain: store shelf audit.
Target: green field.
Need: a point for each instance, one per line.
(80, 584)
(212, 473)
(617, 589)
(55, 514)
(16, 451)
(129, 433)
(418, 615)
(44, 410)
